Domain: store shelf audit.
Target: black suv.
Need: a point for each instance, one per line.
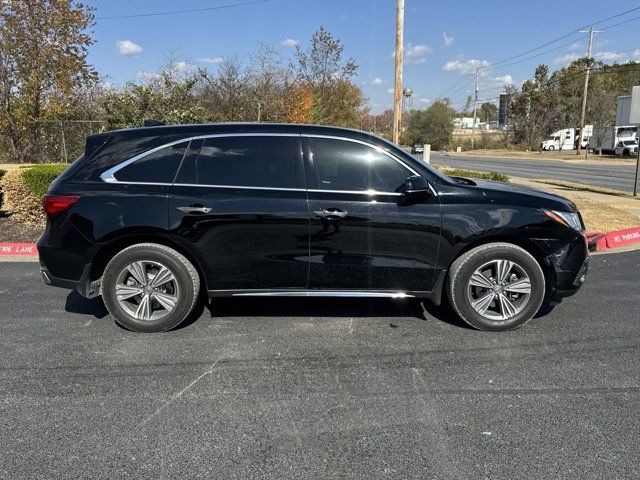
(156, 218)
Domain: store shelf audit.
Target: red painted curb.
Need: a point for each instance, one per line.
(622, 238)
(22, 249)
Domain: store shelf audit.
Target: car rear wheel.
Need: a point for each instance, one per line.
(496, 287)
(150, 288)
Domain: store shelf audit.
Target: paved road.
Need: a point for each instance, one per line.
(609, 175)
(330, 389)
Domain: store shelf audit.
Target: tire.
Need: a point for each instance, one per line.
(507, 309)
(137, 269)
(626, 153)
(551, 148)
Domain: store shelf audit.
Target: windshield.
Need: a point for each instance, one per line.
(630, 142)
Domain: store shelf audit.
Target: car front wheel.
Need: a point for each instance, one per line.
(150, 287)
(496, 287)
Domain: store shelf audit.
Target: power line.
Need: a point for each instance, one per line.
(606, 69)
(620, 23)
(175, 12)
(573, 32)
(520, 55)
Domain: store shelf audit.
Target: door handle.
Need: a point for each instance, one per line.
(331, 213)
(194, 209)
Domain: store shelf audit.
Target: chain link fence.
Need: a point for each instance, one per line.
(52, 141)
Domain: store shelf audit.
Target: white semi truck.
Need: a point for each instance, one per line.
(567, 139)
(605, 139)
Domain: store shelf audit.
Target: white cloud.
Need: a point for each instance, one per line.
(127, 48)
(576, 46)
(606, 57)
(414, 53)
(504, 79)
(377, 81)
(424, 100)
(417, 53)
(211, 60)
(465, 66)
(566, 59)
(610, 56)
(148, 75)
(636, 53)
(390, 91)
(447, 40)
(290, 42)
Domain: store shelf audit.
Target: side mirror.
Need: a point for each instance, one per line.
(415, 189)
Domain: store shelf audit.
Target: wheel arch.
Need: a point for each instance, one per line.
(524, 243)
(108, 250)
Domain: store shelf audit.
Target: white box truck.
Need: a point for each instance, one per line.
(605, 139)
(567, 139)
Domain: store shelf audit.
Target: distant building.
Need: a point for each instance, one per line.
(462, 123)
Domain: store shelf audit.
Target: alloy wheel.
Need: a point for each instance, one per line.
(147, 290)
(499, 290)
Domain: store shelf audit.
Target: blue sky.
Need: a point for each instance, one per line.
(444, 40)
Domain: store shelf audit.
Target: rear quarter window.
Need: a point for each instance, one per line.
(157, 167)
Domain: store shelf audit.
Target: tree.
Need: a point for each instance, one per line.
(535, 109)
(43, 63)
(323, 70)
(168, 96)
(601, 109)
(433, 125)
(488, 112)
(226, 96)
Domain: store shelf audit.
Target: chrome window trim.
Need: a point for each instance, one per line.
(108, 175)
(240, 187)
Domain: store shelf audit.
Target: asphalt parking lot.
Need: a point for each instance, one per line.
(298, 388)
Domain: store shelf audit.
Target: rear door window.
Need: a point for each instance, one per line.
(157, 167)
(249, 161)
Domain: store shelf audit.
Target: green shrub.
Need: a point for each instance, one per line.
(38, 178)
(23, 189)
(458, 172)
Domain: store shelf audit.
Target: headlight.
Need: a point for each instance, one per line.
(568, 219)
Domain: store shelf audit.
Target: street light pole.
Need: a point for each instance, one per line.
(397, 92)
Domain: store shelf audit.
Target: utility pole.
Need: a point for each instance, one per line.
(397, 93)
(475, 109)
(591, 31)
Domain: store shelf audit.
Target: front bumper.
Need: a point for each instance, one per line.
(570, 266)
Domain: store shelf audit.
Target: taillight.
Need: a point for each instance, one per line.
(55, 205)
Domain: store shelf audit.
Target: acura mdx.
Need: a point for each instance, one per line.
(155, 219)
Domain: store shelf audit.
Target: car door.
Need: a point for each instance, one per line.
(239, 202)
(364, 236)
